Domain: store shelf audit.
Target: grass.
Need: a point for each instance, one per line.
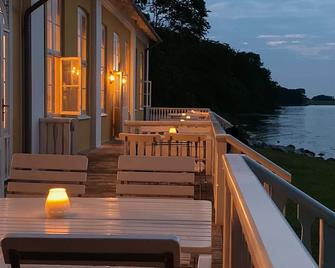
(314, 176)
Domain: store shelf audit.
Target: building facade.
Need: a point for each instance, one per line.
(82, 60)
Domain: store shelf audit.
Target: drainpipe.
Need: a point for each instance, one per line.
(27, 101)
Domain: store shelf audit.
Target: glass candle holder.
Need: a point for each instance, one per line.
(57, 203)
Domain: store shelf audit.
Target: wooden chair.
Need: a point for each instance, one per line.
(35, 174)
(86, 249)
(155, 176)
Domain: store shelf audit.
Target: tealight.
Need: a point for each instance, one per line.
(172, 130)
(57, 203)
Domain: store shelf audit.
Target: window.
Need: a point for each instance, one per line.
(82, 53)
(53, 35)
(70, 85)
(103, 68)
(116, 52)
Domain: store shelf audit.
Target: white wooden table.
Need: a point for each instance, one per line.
(190, 220)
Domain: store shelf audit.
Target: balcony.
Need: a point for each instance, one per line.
(248, 191)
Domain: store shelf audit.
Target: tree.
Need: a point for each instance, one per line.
(181, 16)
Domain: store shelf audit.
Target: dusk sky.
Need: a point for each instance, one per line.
(295, 38)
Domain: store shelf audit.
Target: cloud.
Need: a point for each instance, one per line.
(267, 36)
(283, 36)
(245, 43)
(295, 36)
(330, 44)
(276, 43)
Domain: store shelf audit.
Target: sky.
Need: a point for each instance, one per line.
(295, 38)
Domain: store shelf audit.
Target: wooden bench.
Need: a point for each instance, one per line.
(155, 176)
(35, 174)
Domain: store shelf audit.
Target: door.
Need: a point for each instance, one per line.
(5, 115)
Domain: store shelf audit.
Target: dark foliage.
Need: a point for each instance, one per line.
(323, 98)
(187, 70)
(181, 16)
(204, 73)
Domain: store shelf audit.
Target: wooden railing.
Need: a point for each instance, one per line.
(166, 113)
(255, 234)
(308, 212)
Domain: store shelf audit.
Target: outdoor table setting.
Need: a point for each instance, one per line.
(189, 220)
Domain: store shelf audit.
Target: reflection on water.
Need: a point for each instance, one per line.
(309, 127)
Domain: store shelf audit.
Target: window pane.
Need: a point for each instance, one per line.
(69, 99)
(49, 35)
(83, 91)
(83, 101)
(84, 26)
(57, 38)
(83, 49)
(49, 12)
(58, 12)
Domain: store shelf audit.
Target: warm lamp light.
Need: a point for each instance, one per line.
(172, 130)
(182, 120)
(57, 203)
(183, 114)
(124, 80)
(111, 78)
(188, 117)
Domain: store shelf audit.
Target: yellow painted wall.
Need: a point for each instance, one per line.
(105, 129)
(69, 48)
(112, 25)
(84, 129)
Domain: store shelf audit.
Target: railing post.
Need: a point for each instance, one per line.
(218, 182)
(326, 245)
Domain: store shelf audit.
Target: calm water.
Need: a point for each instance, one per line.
(309, 127)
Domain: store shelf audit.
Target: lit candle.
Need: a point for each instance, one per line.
(188, 117)
(124, 80)
(172, 130)
(57, 203)
(183, 114)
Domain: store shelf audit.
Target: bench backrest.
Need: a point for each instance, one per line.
(139, 144)
(155, 176)
(90, 249)
(35, 174)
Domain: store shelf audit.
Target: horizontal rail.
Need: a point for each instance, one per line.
(240, 147)
(255, 233)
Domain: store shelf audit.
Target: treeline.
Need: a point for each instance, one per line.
(188, 70)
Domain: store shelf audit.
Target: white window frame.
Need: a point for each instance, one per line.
(53, 52)
(84, 62)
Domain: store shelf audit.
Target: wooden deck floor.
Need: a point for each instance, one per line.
(102, 179)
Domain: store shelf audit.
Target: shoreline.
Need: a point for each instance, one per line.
(289, 149)
(240, 133)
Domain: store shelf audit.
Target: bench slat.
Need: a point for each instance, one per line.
(159, 190)
(41, 175)
(178, 164)
(42, 188)
(50, 161)
(155, 177)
